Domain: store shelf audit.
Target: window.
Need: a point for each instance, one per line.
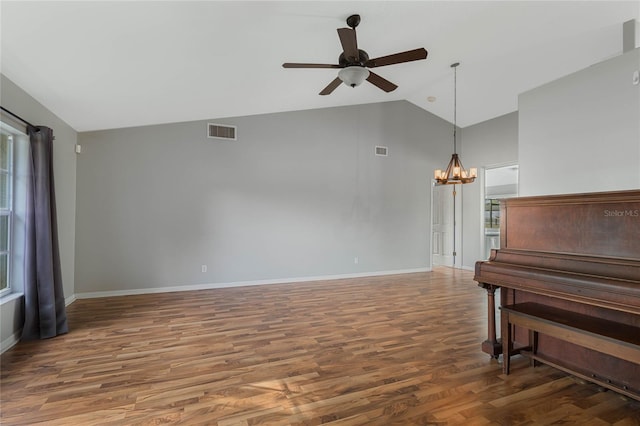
(6, 209)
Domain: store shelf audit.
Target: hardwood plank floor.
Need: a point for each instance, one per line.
(391, 350)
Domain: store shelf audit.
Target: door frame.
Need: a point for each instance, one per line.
(455, 229)
(483, 186)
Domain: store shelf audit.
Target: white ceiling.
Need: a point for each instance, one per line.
(100, 65)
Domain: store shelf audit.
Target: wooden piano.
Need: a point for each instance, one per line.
(568, 270)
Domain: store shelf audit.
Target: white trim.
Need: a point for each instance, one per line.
(9, 297)
(208, 286)
(10, 341)
(69, 300)
(11, 125)
(8, 212)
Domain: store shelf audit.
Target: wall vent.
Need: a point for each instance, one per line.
(382, 151)
(221, 131)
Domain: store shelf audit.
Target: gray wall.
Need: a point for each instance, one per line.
(590, 117)
(581, 133)
(487, 144)
(64, 163)
(299, 194)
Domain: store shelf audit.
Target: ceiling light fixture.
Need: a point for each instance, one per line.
(354, 75)
(455, 172)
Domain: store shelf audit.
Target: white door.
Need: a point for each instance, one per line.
(442, 225)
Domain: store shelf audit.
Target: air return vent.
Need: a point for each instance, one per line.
(382, 151)
(221, 131)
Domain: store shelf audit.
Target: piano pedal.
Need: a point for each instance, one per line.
(579, 381)
(600, 388)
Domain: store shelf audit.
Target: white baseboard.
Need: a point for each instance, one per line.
(97, 294)
(10, 341)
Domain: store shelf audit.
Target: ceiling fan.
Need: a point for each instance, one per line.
(354, 62)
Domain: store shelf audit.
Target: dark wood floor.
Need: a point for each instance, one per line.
(392, 350)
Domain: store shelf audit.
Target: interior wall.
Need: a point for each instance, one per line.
(64, 165)
(299, 194)
(487, 144)
(581, 133)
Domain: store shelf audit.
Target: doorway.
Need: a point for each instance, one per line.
(500, 182)
(442, 228)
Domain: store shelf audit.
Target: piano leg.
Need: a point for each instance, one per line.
(492, 345)
(533, 342)
(507, 345)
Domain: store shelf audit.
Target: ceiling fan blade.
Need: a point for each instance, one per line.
(331, 87)
(380, 82)
(295, 65)
(397, 58)
(349, 44)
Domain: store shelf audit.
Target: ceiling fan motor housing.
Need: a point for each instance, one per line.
(344, 62)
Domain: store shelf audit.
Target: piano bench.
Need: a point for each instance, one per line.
(609, 337)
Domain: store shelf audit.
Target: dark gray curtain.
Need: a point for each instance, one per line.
(45, 313)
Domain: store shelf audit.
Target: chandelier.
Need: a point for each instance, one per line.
(455, 172)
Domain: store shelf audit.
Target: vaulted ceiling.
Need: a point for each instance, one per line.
(100, 65)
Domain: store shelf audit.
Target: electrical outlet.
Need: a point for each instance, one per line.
(356, 260)
(204, 268)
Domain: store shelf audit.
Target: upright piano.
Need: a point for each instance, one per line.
(571, 262)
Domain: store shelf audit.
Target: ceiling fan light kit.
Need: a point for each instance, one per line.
(353, 76)
(455, 173)
(354, 63)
